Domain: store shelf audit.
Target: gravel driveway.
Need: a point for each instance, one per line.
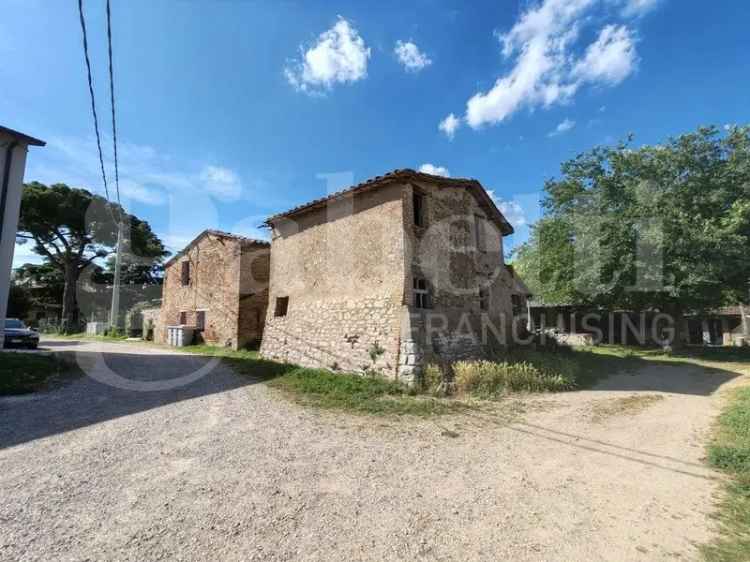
(224, 469)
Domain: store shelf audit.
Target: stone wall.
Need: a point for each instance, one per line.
(254, 273)
(348, 273)
(336, 334)
(342, 270)
(150, 320)
(220, 269)
(459, 252)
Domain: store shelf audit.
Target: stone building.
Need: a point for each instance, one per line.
(388, 274)
(217, 284)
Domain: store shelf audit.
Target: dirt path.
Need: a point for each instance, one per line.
(221, 469)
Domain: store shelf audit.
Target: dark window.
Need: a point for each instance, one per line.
(418, 204)
(519, 304)
(200, 320)
(185, 273)
(183, 318)
(422, 297)
(484, 299)
(282, 305)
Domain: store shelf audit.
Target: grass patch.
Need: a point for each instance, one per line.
(23, 373)
(542, 370)
(360, 394)
(730, 452)
(333, 391)
(84, 336)
(489, 379)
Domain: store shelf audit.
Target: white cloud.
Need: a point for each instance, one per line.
(634, 8)
(410, 56)
(434, 170)
(339, 56)
(610, 59)
(511, 210)
(547, 65)
(563, 127)
(221, 182)
(74, 161)
(147, 175)
(449, 125)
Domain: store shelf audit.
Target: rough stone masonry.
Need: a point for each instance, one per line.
(392, 273)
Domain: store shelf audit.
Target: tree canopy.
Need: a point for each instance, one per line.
(664, 227)
(74, 229)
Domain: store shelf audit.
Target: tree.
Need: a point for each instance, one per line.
(73, 229)
(19, 301)
(662, 227)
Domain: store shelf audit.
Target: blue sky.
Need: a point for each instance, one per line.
(229, 111)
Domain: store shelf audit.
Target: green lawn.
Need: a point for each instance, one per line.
(84, 336)
(333, 391)
(23, 373)
(377, 395)
(730, 452)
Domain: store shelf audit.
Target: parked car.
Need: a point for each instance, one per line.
(18, 335)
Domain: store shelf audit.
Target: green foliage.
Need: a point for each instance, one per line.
(375, 351)
(685, 202)
(730, 452)
(432, 379)
(20, 301)
(115, 333)
(73, 228)
(358, 394)
(488, 379)
(319, 388)
(23, 373)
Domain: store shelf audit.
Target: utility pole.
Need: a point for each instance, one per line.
(115, 310)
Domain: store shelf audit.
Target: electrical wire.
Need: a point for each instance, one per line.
(91, 94)
(112, 99)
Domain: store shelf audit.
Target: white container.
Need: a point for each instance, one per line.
(180, 336)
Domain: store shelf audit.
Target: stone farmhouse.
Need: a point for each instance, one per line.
(218, 284)
(388, 274)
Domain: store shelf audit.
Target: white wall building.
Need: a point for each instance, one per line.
(13, 148)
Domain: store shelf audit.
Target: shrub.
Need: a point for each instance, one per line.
(491, 379)
(432, 379)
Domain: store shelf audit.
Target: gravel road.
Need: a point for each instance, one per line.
(223, 469)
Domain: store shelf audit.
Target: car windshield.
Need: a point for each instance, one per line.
(12, 323)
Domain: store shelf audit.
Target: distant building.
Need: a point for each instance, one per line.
(218, 284)
(389, 274)
(13, 148)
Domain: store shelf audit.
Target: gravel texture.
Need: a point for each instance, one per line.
(225, 469)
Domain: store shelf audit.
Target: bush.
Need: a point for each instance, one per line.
(490, 379)
(432, 379)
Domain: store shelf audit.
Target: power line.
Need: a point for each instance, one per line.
(93, 101)
(112, 99)
(114, 309)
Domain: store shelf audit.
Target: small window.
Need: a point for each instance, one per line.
(418, 204)
(185, 278)
(421, 293)
(484, 299)
(183, 318)
(200, 320)
(519, 304)
(282, 305)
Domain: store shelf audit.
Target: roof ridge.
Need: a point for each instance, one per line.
(220, 234)
(398, 173)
